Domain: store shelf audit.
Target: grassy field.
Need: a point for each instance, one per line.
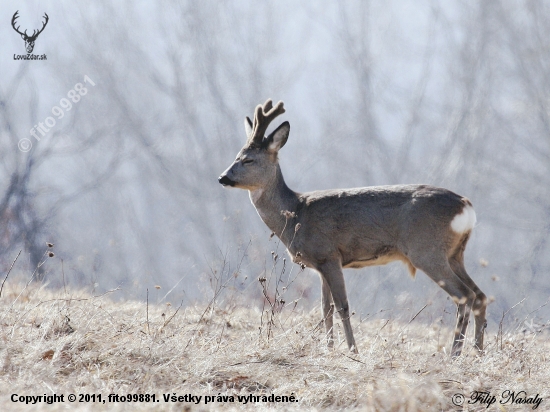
(69, 342)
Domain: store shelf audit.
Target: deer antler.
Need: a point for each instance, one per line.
(43, 26)
(34, 33)
(15, 17)
(263, 116)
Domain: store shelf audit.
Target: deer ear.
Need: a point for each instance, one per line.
(248, 126)
(276, 140)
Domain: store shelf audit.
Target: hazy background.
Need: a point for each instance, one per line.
(454, 94)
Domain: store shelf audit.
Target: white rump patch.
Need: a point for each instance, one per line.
(465, 221)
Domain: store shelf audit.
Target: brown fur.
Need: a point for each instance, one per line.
(352, 228)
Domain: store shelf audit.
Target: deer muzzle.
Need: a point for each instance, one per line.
(225, 181)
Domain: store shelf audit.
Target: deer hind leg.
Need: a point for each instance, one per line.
(479, 306)
(334, 277)
(439, 270)
(328, 311)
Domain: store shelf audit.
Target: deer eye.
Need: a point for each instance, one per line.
(247, 161)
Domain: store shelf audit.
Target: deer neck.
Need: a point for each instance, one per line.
(273, 198)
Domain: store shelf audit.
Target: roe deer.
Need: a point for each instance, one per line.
(425, 227)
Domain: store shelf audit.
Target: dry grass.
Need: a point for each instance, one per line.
(71, 342)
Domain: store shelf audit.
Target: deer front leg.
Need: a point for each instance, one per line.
(334, 277)
(328, 311)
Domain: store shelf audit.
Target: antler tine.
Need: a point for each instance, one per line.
(263, 116)
(13, 21)
(44, 24)
(268, 105)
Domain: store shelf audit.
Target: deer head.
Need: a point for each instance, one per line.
(29, 40)
(257, 161)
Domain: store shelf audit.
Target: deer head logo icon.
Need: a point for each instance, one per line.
(29, 40)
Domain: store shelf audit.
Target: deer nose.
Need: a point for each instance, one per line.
(224, 180)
